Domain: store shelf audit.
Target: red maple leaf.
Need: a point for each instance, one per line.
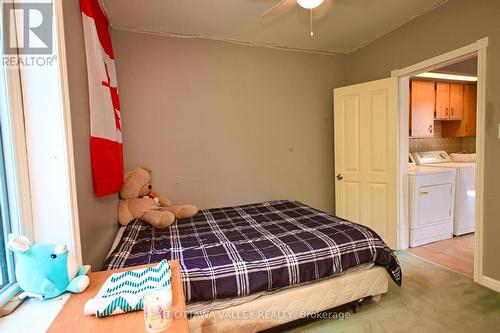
(114, 99)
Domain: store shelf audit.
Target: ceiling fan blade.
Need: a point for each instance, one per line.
(280, 4)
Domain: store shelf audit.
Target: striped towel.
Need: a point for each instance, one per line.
(123, 292)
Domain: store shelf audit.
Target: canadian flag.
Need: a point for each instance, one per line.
(105, 124)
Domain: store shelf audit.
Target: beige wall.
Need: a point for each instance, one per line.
(222, 124)
(98, 221)
(455, 24)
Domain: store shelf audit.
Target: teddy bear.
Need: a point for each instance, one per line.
(138, 200)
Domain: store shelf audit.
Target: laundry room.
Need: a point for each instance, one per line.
(442, 164)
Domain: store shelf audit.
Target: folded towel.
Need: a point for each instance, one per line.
(123, 292)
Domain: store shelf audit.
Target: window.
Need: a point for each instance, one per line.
(8, 286)
(30, 106)
(6, 257)
(13, 169)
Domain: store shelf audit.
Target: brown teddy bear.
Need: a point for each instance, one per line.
(137, 200)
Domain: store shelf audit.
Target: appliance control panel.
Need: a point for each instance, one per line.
(430, 157)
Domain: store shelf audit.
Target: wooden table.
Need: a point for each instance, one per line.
(71, 318)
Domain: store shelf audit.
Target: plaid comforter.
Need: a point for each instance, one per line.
(236, 251)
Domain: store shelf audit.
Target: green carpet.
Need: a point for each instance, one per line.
(432, 299)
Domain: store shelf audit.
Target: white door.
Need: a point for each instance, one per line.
(434, 204)
(365, 124)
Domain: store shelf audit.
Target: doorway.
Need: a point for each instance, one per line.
(429, 195)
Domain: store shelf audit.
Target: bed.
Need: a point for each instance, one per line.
(257, 266)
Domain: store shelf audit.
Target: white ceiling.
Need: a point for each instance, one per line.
(341, 25)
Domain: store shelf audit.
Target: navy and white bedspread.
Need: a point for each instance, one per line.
(236, 251)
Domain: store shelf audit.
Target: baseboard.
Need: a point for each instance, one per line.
(490, 283)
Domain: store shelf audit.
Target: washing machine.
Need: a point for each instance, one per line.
(432, 204)
(465, 193)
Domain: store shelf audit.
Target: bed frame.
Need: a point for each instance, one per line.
(293, 303)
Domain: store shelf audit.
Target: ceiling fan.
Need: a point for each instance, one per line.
(311, 5)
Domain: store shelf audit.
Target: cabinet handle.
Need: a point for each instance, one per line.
(424, 193)
(446, 111)
(452, 111)
(430, 128)
(465, 128)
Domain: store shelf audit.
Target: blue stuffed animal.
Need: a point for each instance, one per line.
(46, 270)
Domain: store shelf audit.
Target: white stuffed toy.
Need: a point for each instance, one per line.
(46, 270)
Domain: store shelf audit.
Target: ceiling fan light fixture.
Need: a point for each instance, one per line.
(309, 4)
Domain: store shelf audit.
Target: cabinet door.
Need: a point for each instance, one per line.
(453, 129)
(422, 108)
(467, 126)
(442, 100)
(434, 204)
(469, 115)
(456, 101)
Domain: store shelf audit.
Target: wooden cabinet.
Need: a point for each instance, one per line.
(456, 101)
(423, 99)
(467, 125)
(442, 100)
(470, 110)
(454, 104)
(449, 101)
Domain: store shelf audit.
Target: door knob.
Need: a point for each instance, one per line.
(340, 176)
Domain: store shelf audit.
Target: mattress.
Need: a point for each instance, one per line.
(293, 303)
(204, 307)
(238, 251)
(117, 239)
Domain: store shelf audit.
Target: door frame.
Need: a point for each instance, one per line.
(478, 49)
